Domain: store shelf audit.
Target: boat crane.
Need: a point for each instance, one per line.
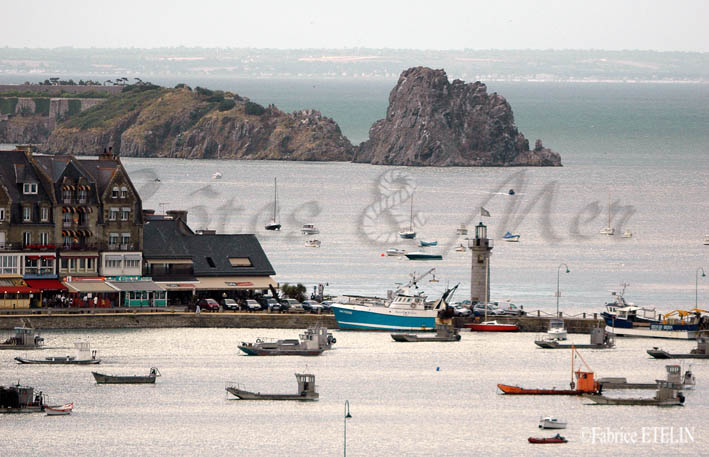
(574, 353)
(415, 279)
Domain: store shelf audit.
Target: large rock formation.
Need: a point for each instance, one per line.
(431, 121)
(200, 124)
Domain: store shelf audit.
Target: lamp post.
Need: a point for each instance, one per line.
(347, 416)
(696, 284)
(558, 271)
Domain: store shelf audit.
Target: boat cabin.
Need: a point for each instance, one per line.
(599, 336)
(702, 343)
(24, 337)
(306, 384)
(585, 382)
(406, 301)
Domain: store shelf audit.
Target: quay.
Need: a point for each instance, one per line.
(115, 318)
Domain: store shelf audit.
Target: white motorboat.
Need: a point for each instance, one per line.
(63, 410)
(551, 423)
(460, 248)
(627, 234)
(706, 240)
(409, 234)
(392, 252)
(309, 229)
(217, 175)
(556, 330)
(513, 238)
(462, 230)
(312, 243)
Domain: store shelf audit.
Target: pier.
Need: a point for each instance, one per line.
(96, 318)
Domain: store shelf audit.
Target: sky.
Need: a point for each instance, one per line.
(665, 25)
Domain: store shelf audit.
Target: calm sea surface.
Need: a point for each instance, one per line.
(644, 147)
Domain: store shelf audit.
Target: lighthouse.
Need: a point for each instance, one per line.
(481, 248)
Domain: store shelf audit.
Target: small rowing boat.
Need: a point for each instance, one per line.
(551, 440)
(63, 410)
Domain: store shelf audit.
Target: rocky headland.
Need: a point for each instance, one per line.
(433, 122)
(429, 122)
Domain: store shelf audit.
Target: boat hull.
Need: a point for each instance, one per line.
(552, 425)
(412, 338)
(20, 347)
(247, 395)
(417, 256)
(545, 344)
(492, 328)
(108, 379)
(516, 390)
(656, 331)
(602, 400)
(660, 354)
(250, 350)
(273, 227)
(547, 440)
(357, 317)
(57, 361)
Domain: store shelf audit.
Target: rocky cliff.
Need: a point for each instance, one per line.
(431, 121)
(32, 128)
(157, 122)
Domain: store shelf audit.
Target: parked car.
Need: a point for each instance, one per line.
(274, 307)
(511, 309)
(492, 310)
(311, 306)
(208, 304)
(253, 305)
(229, 304)
(327, 306)
(461, 311)
(294, 306)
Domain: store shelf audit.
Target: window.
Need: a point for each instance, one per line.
(125, 214)
(114, 192)
(82, 263)
(67, 241)
(2, 214)
(8, 264)
(113, 238)
(125, 238)
(27, 214)
(113, 214)
(64, 263)
(26, 238)
(66, 217)
(112, 262)
(82, 195)
(124, 192)
(72, 264)
(44, 214)
(29, 188)
(131, 263)
(66, 195)
(90, 264)
(240, 262)
(44, 238)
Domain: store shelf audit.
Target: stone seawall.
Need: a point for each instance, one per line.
(166, 320)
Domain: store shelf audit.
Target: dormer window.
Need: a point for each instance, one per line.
(114, 192)
(29, 188)
(124, 192)
(2, 214)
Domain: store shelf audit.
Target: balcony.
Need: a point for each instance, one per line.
(79, 247)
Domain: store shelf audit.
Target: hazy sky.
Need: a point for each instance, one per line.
(493, 24)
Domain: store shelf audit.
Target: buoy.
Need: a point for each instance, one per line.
(383, 254)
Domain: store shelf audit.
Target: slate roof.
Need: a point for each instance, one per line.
(172, 239)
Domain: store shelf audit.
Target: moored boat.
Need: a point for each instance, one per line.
(550, 440)
(461, 230)
(420, 255)
(274, 224)
(424, 244)
(23, 338)
(444, 333)
(674, 379)
(584, 384)
(600, 339)
(313, 341)
(513, 238)
(492, 326)
(394, 252)
(84, 356)
(306, 391)
(557, 331)
(551, 422)
(20, 399)
(409, 234)
(63, 410)
(137, 379)
(408, 311)
(666, 395)
(700, 352)
(312, 243)
(309, 229)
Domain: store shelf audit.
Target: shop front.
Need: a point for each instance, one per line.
(140, 293)
(91, 293)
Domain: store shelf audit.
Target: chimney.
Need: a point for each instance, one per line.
(178, 214)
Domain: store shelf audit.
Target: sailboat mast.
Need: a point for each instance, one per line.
(275, 197)
(411, 217)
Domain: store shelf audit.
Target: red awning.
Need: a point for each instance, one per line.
(32, 257)
(18, 290)
(45, 284)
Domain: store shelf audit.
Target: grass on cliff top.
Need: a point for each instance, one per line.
(116, 107)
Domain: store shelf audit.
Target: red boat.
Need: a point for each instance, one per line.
(554, 439)
(584, 384)
(492, 326)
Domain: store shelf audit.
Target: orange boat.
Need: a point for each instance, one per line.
(585, 383)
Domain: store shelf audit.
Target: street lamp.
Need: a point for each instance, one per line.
(558, 271)
(347, 416)
(696, 284)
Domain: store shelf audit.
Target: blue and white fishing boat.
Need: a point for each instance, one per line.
(408, 311)
(511, 237)
(625, 319)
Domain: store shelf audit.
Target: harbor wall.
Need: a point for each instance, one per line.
(96, 319)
